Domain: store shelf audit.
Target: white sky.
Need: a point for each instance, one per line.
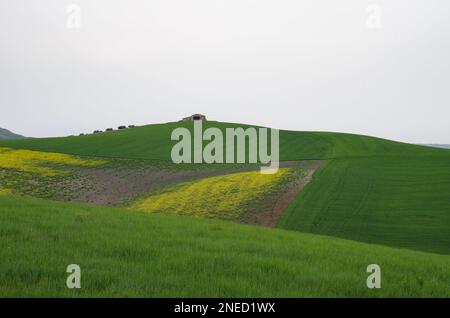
(300, 65)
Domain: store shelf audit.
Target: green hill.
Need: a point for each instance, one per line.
(122, 253)
(369, 189)
(153, 142)
(5, 134)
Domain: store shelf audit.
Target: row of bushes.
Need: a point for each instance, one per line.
(111, 129)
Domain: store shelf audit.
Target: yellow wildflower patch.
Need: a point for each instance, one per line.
(35, 161)
(226, 196)
(4, 191)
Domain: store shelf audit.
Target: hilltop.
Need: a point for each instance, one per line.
(153, 142)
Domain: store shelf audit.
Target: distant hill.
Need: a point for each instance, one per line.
(438, 145)
(6, 134)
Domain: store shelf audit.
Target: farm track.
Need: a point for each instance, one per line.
(273, 206)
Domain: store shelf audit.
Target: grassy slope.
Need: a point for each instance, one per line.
(397, 201)
(153, 142)
(371, 189)
(136, 254)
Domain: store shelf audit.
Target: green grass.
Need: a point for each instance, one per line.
(397, 201)
(135, 254)
(153, 142)
(371, 189)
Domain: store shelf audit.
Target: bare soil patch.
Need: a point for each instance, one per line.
(273, 206)
(110, 186)
(113, 186)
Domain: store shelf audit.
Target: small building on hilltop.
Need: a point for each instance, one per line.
(194, 117)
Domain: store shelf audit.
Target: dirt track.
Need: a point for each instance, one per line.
(273, 206)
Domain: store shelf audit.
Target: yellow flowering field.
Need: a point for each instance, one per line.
(4, 191)
(227, 196)
(36, 161)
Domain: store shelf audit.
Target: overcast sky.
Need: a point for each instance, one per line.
(321, 65)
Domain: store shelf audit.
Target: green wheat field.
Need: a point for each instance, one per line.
(115, 204)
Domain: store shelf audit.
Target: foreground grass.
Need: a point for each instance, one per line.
(137, 254)
(397, 201)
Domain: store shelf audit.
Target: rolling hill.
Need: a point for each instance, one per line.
(153, 142)
(366, 187)
(371, 201)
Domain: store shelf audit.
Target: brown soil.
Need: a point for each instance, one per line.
(112, 186)
(109, 186)
(273, 206)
